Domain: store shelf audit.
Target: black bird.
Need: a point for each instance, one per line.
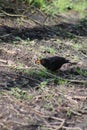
(52, 63)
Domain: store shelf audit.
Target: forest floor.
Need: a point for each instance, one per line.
(31, 97)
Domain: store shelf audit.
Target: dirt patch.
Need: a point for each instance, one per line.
(32, 97)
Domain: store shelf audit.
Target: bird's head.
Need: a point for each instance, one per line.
(41, 61)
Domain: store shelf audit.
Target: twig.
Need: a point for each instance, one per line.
(16, 122)
(72, 128)
(3, 61)
(37, 9)
(6, 35)
(35, 21)
(76, 81)
(62, 123)
(26, 21)
(56, 118)
(85, 108)
(76, 113)
(4, 126)
(11, 15)
(83, 54)
(80, 97)
(4, 65)
(59, 119)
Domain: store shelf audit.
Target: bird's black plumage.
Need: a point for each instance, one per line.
(53, 63)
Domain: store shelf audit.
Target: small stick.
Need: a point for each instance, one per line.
(11, 15)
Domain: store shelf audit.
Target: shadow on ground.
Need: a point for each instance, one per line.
(63, 30)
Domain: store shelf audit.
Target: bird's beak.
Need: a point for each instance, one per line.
(38, 61)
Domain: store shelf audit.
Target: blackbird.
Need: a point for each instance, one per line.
(52, 63)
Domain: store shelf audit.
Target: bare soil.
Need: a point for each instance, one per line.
(42, 102)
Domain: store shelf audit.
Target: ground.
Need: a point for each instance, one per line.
(31, 97)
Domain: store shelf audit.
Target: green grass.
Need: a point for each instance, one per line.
(76, 46)
(75, 58)
(80, 6)
(69, 113)
(18, 66)
(63, 5)
(20, 94)
(43, 84)
(57, 6)
(36, 3)
(48, 50)
(40, 73)
(60, 81)
(81, 72)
